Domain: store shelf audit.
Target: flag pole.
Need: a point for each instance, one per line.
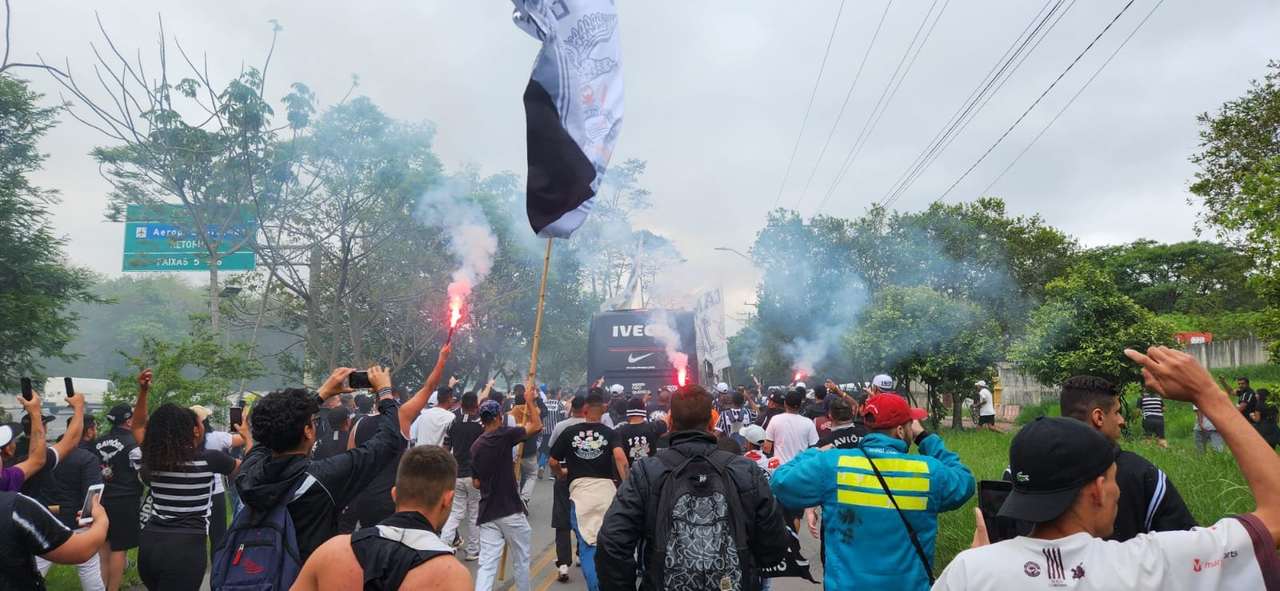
(530, 382)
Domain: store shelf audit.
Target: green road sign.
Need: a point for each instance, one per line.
(186, 261)
(160, 237)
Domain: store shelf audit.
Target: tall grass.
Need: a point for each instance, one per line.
(1210, 483)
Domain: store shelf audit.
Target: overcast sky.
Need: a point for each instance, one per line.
(715, 95)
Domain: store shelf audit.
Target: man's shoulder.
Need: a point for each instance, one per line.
(441, 572)
(1128, 462)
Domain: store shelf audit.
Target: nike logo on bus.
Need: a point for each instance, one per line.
(635, 359)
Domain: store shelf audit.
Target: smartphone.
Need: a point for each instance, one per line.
(27, 392)
(359, 380)
(991, 496)
(237, 416)
(69, 387)
(86, 511)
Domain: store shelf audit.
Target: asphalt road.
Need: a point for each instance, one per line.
(542, 572)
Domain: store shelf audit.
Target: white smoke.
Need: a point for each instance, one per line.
(662, 326)
(467, 233)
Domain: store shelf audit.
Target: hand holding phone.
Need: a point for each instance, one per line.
(991, 496)
(69, 387)
(27, 391)
(237, 416)
(358, 380)
(90, 502)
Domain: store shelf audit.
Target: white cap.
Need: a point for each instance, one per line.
(753, 433)
(980, 383)
(801, 385)
(883, 382)
(6, 435)
(722, 388)
(616, 389)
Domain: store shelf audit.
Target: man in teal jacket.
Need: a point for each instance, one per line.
(867, 545)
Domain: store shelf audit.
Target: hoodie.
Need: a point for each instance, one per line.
(325, 486)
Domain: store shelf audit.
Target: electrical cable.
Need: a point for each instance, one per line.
(812, 94)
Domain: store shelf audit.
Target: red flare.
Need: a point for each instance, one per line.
(455, 312)
(682, 376)
(799, 376)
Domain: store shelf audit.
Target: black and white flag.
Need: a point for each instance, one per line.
(573, 107)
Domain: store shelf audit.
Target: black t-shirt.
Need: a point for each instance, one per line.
(530, 448)
(71, 480)
(461, 435)
(27, 529)
(1250, 401)
(586, 450)
(491, 464)
(846, 437)
(121, 457)
(39, 485)
(379, 489)
(640, 440)
(179, 498)
(331, 444)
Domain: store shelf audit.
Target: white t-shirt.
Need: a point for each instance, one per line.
(791, 434)
(988, 407)
(1208, 425)
(430, 427)
(218, 441)
(1221, 556)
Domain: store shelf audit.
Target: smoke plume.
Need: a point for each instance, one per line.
(467, 233)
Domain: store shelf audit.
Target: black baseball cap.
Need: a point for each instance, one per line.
(1050, 460)
(777, 397)
(119, 414)
(26, 422)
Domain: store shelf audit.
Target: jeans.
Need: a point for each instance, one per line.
(528, 477)
(515, 530)
(90, 572)
(1212, 438)
(544, 451)
(466, 507)
(586, 554)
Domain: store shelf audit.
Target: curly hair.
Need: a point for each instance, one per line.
(278, 420)
(170, 439)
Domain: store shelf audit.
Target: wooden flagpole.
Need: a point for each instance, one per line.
(530, 379)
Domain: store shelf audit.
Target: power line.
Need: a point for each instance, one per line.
(985, 86)
(1037, 101)
(986, 190)
(847, 95)
(891, 90)
(812, 94)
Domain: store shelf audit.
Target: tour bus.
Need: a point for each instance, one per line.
(623, 349)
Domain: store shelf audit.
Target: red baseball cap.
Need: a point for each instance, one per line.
(888, 410)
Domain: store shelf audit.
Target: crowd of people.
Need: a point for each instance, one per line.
(685, 489)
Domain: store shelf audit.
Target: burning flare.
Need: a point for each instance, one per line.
(682, 376)
(458, 292)
(799, 376)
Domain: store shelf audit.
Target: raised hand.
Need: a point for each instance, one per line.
(1174, 375)
(336, 383)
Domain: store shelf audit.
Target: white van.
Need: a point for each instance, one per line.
(55, 393)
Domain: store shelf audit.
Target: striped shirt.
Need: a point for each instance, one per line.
(733, 420)
(180, 499)
(1152, 407)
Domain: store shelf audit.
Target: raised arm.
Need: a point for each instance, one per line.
(36, 450)
(140, 406)
(532, 418)
(71, 439)
(1177, 376)
(413, 407)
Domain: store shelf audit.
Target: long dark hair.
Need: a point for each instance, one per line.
(170, 438)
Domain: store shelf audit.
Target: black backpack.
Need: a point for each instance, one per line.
(700, 535)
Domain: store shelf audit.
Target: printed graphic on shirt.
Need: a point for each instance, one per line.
(590, 444)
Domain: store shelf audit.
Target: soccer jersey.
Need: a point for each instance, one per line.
(1235, 553)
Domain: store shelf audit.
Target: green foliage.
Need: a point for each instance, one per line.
(1083, 327)
(37, 286)
(1239, 183)
(197, 369)
(1227, 325)
(1195, 277)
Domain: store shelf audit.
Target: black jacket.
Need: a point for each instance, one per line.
(264, 482)
(1148, 500)
(631, 520)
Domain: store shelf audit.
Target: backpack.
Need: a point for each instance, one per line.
(260, 551)
(700, 534)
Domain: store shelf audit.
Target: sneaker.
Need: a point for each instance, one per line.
(542, 473)
(473, 556)
(563, 577)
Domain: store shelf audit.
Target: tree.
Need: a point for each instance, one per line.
(1084, 326)
(37, 286)
(194, 370)
(916, 332)
(210, 148)
(1238, 182)
(1194, 277)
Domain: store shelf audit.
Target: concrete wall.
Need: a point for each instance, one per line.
(1017, 387)
(1230, 353)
